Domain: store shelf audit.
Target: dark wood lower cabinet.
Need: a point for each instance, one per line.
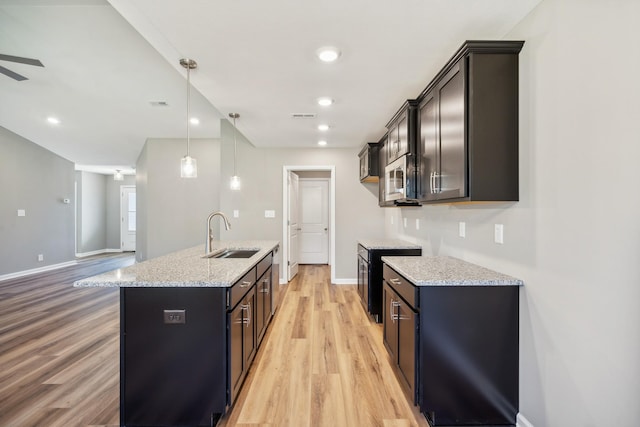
(185, 352)
(172, 373)
(455, 349)
(370, 275)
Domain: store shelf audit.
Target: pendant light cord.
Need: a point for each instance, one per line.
(235, 145)
(188, 105)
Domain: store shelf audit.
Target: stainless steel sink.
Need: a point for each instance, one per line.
(232, 253)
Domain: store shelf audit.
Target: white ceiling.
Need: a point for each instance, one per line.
(105, 62)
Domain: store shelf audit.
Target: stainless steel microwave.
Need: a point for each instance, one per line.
(400, 181)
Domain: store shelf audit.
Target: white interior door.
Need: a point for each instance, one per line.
(128, 217)
(293, 227)
(314, 221)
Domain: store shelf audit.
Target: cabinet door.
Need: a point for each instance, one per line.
(429, 144)
(364, 165)
(451, 180)
(249, 331)
(236, 356)
(407, 324)
(382, 162)
(392, 144)
(403, 136)
(390, 321)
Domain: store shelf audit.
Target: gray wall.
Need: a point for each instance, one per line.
(357, 211)
(36, 180)
(574, 237)
(92, 212)
(172, 211)
(113, 210)
(98, 212)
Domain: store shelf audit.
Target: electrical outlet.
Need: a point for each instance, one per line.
(175, 316)
(404, 220)
(462, 229)
(417, 223)
(21, 212)
(40, 257)
(236, 213)
(498, 233)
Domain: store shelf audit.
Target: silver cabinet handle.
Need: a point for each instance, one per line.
(265, 288)
(247, 321)
(394, 316)
(245, 284)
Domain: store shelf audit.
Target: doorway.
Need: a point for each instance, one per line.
(127, 218)
(290, 247)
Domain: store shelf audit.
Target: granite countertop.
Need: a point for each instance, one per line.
(387, 244)
(186, 268)
(447, 271)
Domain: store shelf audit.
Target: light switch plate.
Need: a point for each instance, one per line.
(21, 212)
(462, 229)
(498, 233)
(269, 214)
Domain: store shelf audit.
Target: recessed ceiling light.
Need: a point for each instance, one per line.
(322, 143)
(328, 54)
(323, 127)
(325, 102)
(194, 121)
(53, 120)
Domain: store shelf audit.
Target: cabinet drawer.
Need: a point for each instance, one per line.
(264, 264)
(363, 252)
(402, 286)
(240, 288)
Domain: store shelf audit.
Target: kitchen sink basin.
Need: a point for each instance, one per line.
(233, 253)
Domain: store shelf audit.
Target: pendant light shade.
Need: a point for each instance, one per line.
(188, 164)
(235, 179)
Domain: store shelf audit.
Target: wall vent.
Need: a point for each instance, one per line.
(159, 103)
(303, 115)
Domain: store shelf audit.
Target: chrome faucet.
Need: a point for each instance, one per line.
(227, 226)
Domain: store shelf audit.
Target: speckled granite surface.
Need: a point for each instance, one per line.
(387, 244)
(185, 268)
(447, 271)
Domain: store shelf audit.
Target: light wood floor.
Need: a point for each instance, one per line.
(322, 364)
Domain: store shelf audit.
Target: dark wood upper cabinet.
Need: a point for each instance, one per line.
(468, 126)
(369, 165)
(401, 135)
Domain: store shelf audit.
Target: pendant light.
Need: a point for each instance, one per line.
(188, 165)
(118, 175)
(235, 179)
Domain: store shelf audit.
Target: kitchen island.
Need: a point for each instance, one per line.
(451, 328)
(189, 329)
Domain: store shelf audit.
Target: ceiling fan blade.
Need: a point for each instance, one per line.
(21, 60)
(14, 76)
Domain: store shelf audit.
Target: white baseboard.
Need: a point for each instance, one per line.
(98, 252)
(36, 270)
(345, 282)
(521, 421)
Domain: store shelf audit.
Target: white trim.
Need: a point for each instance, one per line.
(332, 214)
(98, 252)
(344, 281)
(521, 421)
(37, 270)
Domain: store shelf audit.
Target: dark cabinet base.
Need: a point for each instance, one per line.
(468, 365)
(172, 372)
(370, 284)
